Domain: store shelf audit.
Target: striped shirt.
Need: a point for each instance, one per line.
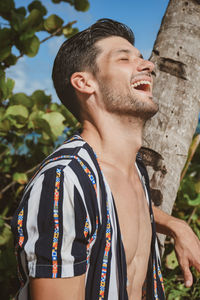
(67, 225)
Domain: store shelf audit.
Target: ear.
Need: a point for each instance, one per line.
(83, 82)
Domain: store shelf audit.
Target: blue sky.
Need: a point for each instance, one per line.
(143, 17)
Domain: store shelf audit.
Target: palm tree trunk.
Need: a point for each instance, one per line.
(168, 135)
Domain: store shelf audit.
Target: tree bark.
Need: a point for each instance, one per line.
(168, 135)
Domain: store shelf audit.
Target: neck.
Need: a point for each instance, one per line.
(116, 140)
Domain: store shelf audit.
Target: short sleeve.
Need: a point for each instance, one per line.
(54, 220)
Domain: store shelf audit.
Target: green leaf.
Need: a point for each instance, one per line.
(6, 87)
(70, 119)
(194, 202)
(2, 74)
(196, 230)
(193, 147)
(18, 122)
(40, 98)
(4, 53)
(7, 267)
(31, 46)
(6, 6)
(5, 236)
(197, 187)
(10, 86)
(16, 20)
(46, 138)
(21, 98)
(1, 222)
(2, 112)
(2, 85)
(4, 126)
(55, 121)
(81, 5)
(39, 124)
(69, 33)
(4, 149)
(10, 60)
(17, 111)
(52, 23)
(5, 37)
(19, 190)
(27, 34)
(20, 177)
(38, 5)
(54, 107)
(33, 20)
(21, 11)
(171, 261)
(36, 114)
(43, 126)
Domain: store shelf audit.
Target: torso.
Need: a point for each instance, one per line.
(135, 226)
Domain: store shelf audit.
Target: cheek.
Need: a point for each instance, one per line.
(118, 78)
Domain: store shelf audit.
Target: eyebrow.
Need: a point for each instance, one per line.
(127, 51)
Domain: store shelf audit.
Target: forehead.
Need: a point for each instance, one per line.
(114, 45)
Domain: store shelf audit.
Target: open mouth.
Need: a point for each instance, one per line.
(142, 85)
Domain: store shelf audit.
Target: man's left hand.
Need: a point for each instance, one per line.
(187, 247)
(187, 244)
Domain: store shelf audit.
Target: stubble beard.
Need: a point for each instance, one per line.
(128, 105)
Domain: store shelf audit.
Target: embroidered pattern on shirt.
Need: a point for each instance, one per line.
(105, 258)
(19, 227)
(56, 225)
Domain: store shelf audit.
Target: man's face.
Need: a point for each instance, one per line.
(124, 79)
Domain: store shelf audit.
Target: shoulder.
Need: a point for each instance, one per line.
(72, 163)
(59, 160)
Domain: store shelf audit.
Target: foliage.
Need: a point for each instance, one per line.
(187, 207)
(29, 124)
(29, 129)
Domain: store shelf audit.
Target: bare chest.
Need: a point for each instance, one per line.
(135, 225)
(134, 219)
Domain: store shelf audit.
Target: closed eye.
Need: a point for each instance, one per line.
(123, 58)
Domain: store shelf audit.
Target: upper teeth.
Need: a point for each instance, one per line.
(140, 82)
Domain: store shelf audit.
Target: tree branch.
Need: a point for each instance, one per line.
(52, 35)
(11, 184)
(7, 187)
(192, 214)
(57, 31)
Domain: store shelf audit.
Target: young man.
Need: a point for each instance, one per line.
(85, 227)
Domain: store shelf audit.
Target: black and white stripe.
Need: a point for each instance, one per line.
(78, 200)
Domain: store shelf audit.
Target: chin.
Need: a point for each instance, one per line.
(144, 108)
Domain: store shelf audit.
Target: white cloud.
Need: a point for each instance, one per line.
(54, 45)
(24, 82)
(17, 73)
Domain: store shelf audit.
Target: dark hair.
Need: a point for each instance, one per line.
(79, 53)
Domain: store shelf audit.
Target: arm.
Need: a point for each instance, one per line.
(56, 237)
(59, 288)
(187, 245)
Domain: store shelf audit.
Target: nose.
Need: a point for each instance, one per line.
(145, 65)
